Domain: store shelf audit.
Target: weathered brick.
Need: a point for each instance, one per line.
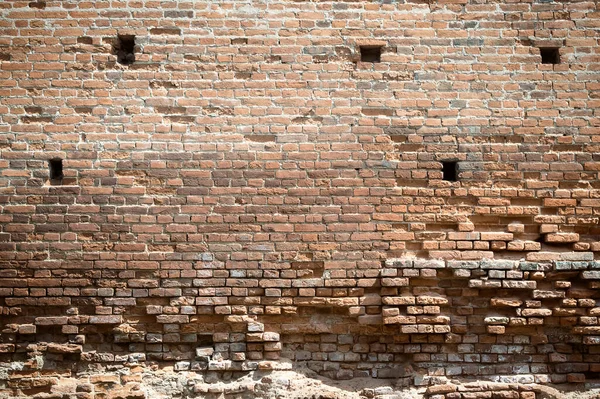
(233, 185)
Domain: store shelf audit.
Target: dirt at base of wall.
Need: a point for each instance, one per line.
(142, 382)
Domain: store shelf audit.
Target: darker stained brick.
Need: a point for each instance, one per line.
(239, 40)
(165, 31)
(36, 119)
(320, 59)
(243, 75)
(38, 4)
(102, 66)
(398, 76)
(4, 57)
(400, 130)
(402, 148)
(467, 42)
(378, 111)
(53, 227)
(411, 182)
(63, 190)
(155, 66)
(84, 155)
(218, 111)
(191, 57)
(398, 138)
(84, 40)
(308, 269)
(108, 181)
(308, 117)
(164, 84)
(171, 110)
(33, 110)
(179, 14)
(260, 138)
(83, 110)
(181, 118)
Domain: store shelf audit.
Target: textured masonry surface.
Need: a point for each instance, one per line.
(243, 193)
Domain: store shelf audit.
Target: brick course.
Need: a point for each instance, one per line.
(249, 191)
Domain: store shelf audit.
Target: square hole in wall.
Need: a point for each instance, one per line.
(550, 55)
(450, 170)
(124, 49)
(205, 340)
(56, 170)
(370, 53)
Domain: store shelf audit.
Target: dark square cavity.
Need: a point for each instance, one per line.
(370, 53)
(205, 340)
(550, 55)
(56, 169)
(125, 49)
(450, 170)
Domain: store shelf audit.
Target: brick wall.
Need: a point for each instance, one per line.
(385, 189)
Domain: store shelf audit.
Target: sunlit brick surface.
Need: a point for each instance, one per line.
(243, 191)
